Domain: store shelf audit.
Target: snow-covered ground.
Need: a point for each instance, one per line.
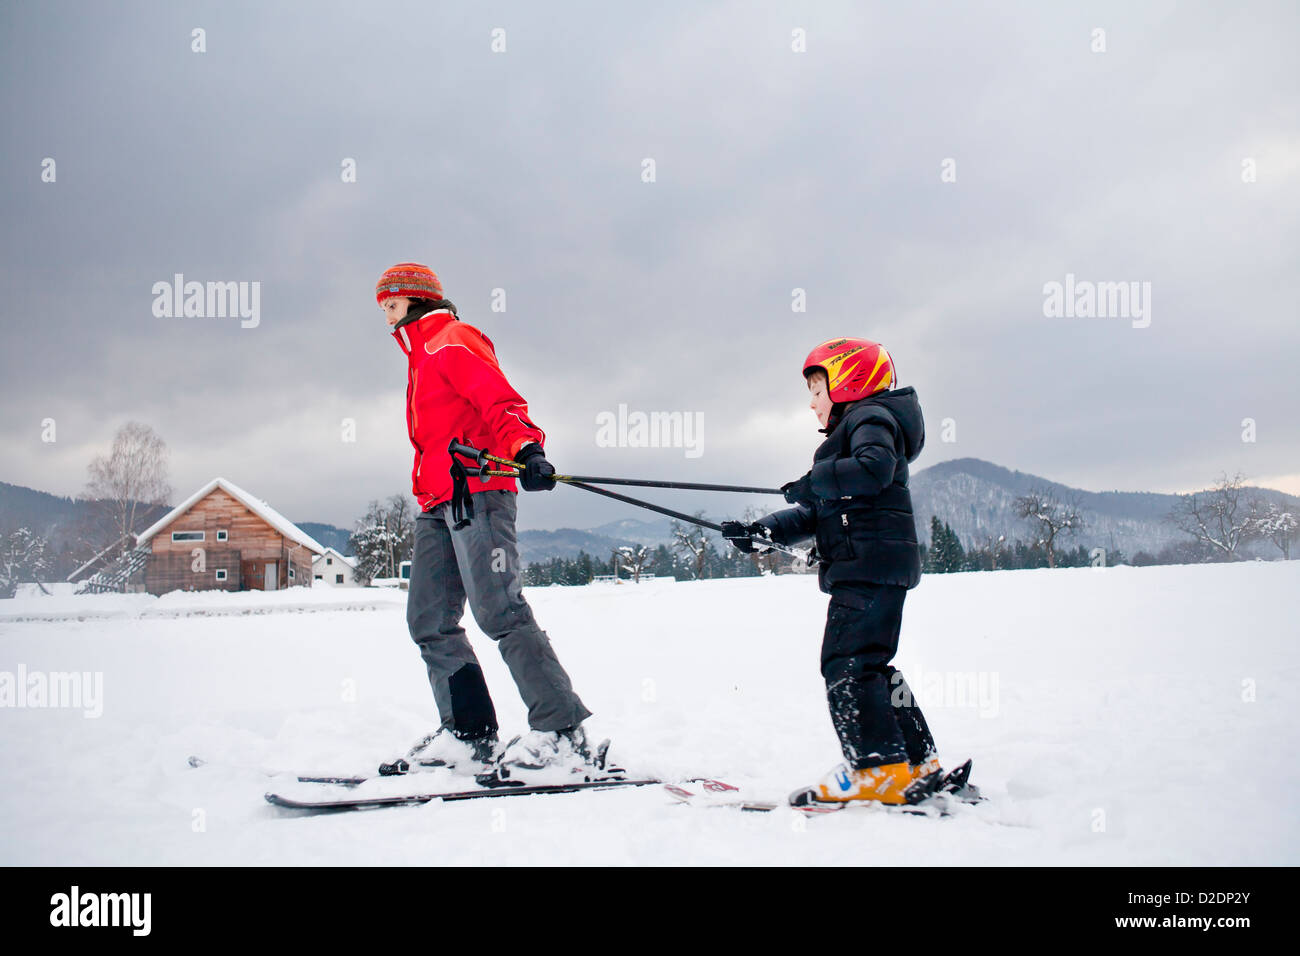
(1116, 716)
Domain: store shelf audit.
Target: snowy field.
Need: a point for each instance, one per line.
(1116, 716)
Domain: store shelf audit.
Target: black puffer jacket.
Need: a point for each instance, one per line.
(863, 518)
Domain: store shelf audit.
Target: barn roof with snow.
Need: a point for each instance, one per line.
(256, 505)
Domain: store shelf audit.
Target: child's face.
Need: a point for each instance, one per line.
(395, 309)
(821, 402)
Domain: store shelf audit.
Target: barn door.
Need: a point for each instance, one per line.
(272, 579)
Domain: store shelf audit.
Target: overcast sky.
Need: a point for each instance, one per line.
(775, 170)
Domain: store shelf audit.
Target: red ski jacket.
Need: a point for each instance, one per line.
(455, 389)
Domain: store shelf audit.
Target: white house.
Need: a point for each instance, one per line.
(334, 569)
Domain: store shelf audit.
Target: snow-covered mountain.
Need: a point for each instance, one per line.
(977, 500)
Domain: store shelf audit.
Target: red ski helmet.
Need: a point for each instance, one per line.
(855, 368)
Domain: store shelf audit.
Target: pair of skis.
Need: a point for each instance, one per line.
(343, 793)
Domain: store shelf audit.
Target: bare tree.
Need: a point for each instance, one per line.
(693, 541)
(1218, 518)
(633, 560)
(401, 521)
(384, 538)
(128, 483)
(1051, 518)
(1272, 523)
(993, 546)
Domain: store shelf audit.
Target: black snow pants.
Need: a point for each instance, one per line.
(872, 708)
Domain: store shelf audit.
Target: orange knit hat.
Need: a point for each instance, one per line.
(410, 279)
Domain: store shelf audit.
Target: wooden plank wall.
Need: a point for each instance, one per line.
(172, 571)
(250, 539)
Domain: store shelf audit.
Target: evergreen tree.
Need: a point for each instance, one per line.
(22, 559)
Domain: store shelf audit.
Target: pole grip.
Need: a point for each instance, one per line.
(468, 451)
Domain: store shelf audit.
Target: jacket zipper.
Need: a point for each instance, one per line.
(410, 420)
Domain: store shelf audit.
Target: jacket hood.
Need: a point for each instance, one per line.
(905, 407)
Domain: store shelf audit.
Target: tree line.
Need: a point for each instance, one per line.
(127, 489)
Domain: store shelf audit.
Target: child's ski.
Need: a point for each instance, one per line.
(715, 793)
(954, 785)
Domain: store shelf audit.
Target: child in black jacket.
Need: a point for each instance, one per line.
(856, 503)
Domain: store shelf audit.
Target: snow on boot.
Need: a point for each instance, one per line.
(442, 748)
(890, 783)
(557, 752)
(957, 784)
(926, 767)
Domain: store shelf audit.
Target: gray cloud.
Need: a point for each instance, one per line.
(775, 170)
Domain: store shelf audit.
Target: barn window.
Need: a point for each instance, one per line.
(221, 574)
(291, 574)
(187, 535)
(223, 535)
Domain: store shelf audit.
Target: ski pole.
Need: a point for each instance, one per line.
(617, 497)
(681, 516)
(793, 552)
(687, 485)
(481, 456)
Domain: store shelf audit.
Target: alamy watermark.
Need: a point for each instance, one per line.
(75, 908)
(971, 689)
(624, 429)
(1085, 299)
(208, 300)
(67, 690)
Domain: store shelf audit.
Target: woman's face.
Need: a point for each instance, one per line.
(395, 309)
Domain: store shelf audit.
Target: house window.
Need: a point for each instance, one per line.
(338, 579)
(319, 578)
(221, 574)
(187, 535)
(223, 535)
(329, 560)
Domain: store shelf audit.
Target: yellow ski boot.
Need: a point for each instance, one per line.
(889, 784)
(926, 767)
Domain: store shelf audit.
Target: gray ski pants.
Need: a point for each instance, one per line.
(480, 562)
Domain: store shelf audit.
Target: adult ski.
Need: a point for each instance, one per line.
(338, 781)
(353, 801)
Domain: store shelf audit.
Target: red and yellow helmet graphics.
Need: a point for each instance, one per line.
(855, 368)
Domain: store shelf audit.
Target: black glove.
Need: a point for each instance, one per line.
(537, 470)
(800, 492)
(743, 535)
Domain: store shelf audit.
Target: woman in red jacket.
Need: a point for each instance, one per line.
(455, 389)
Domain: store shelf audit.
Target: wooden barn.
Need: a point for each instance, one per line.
(222, 538)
